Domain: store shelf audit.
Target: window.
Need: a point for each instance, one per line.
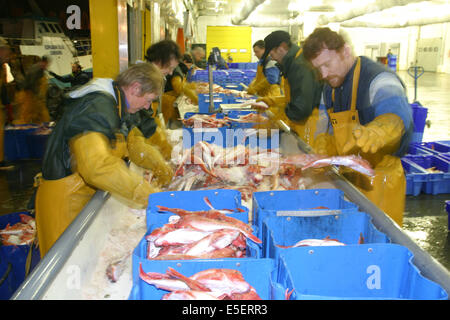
(43, 28)
(52, 28)
(57, 27)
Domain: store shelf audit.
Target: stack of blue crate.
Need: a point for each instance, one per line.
(427, 168)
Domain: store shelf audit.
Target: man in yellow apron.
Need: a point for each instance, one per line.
(32, 99)
(165, 55)
(302, 89)
(100, 127)
(364, 110)
(267, 79)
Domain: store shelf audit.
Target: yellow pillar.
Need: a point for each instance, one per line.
(104, 38)
(147, 31)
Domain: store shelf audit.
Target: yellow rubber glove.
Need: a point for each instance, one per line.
(148, 156)
(324, 145)
(190, 93)
(258, 86)
(384, 131)
(159, 139)
(99, 168)
(273, 101)
(274, 90)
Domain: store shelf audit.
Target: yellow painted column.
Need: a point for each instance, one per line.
(147, 31)
(104, 38)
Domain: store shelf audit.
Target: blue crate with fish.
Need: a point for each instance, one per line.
(248, 119)
(416, 177)
(260, 274)
(163, 206)
(195, 201)
(203, 101)
(268, 203)
(192, 135)
(437, 170)
(348, 228)
(13, 257)
(372, 271)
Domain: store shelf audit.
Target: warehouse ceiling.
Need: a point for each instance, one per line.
(351, 13)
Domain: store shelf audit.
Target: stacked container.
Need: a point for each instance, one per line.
(427, 168)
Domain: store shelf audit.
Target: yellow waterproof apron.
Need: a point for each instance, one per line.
(387, 188)
(262, 87)
(306, 128)
(58, 202)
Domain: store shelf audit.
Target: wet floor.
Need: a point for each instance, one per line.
(425, 219)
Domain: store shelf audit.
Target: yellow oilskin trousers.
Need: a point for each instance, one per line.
(95, 165)
(388, 187)
(261, 87)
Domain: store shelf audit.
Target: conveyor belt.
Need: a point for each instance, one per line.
(40, 281)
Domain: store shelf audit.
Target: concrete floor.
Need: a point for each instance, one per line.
(425, 217)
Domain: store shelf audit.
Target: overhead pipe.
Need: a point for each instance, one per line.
(377, 5)
(298, 21)
(246, 10)
(398, 23)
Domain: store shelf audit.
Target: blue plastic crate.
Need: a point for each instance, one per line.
(231, 137)
(416, 177)
(269, 202)
(419, 115)
(203, 101)
(345, 228)
(435, 147)
(37, 144)
(13, 259)
(235, 114)
(414, 148)
(372, 271)
(257, 272)
(193, 201)
(16, 146)
(445, 156)
(436, 183)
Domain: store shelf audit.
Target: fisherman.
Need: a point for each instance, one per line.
(298, 105)
(32, 99)
(85, 150)
(165, 55)
(199, 55)
(267, 80)
(364, 110)
(77, 78)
